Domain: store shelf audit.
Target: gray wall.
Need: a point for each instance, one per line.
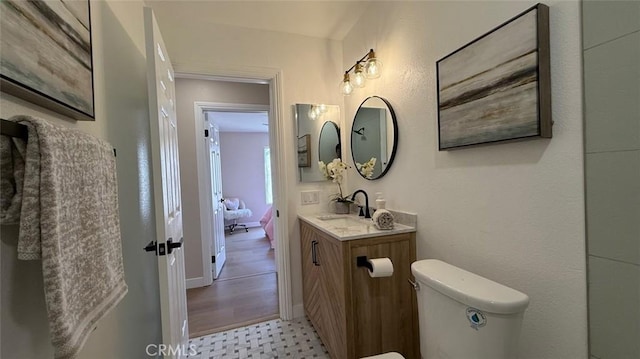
(612, 101)
(122, 118)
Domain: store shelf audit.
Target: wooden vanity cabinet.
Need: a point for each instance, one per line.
(356, 315)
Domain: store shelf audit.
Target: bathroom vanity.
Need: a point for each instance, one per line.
(354, 314)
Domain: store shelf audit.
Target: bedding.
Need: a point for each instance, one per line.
(267, 224)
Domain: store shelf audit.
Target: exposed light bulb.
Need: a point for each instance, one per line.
(345, 86)
(373, 68)
(322, 107)
(358, 77)
(312, 113)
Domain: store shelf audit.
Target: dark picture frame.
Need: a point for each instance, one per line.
(498, 87)
(304, 151)
(46, 55)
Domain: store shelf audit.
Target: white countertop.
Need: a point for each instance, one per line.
(345, 227)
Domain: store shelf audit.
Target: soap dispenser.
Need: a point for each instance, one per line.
(380, 202)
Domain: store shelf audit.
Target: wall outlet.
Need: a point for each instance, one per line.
(309, 197)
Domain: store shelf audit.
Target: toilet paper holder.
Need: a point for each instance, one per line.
(362, 261)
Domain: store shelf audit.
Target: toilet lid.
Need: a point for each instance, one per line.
(392, 355)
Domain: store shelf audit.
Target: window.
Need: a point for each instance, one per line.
(267, 175)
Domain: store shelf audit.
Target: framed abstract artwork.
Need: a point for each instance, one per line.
(46, 55)
(498, 87)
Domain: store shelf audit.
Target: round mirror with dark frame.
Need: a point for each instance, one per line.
(374, 137)
(329, 142)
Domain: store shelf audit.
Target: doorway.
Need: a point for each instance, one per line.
(193, 160)
(245, 287)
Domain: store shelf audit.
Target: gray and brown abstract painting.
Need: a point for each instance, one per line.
(46, 47)
(488, 90)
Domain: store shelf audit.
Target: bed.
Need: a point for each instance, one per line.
(267, 224)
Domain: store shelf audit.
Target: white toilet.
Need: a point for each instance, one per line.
(463, 315)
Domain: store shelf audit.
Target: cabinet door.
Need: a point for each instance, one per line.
(384, 312)
(333, 294)
(311, 285)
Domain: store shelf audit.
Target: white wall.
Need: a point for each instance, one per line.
(242, 159)
(510, 212)
(612, 90)
(122, 118)
(189, 91)
(311, 69)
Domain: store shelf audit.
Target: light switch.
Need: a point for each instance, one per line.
(310, 197)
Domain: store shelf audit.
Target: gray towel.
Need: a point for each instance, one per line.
(11, 178)
(69, 219)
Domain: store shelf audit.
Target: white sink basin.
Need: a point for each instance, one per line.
(343, 221)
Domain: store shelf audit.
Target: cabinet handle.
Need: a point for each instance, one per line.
(314, 253)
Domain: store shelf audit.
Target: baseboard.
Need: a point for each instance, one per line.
(195, 282)
(298, 310)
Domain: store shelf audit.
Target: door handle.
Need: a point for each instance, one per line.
(314, 253)
(152, 247)
(171, 245)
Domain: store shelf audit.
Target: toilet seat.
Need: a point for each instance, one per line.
(392, 355)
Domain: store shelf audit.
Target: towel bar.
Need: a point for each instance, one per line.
(14, 129)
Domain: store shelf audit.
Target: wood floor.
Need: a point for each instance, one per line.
(246, 291)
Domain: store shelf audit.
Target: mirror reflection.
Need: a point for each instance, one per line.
(318, 138)
(374, 136)
(329, 143)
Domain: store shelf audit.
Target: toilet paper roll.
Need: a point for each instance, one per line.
(382, 267)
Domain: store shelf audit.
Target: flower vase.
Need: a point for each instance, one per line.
(341, 207)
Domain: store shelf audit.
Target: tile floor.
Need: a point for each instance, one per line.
(272, 339)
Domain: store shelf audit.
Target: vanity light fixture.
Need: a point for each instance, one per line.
(370, 70)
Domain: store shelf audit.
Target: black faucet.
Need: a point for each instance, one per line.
(366, 204)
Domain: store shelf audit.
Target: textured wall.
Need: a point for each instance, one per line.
(242, 157)
(510, 212)
(612, 89)
(122, 118)
(189, 91)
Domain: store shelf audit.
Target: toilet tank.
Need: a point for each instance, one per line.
(463, 315)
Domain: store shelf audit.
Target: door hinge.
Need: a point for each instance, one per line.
(213, 259)
(206, 133)
(277, 213)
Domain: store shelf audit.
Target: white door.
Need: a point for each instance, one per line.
(218, 250)
(166, 190)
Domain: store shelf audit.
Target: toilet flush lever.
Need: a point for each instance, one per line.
(415, 285)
